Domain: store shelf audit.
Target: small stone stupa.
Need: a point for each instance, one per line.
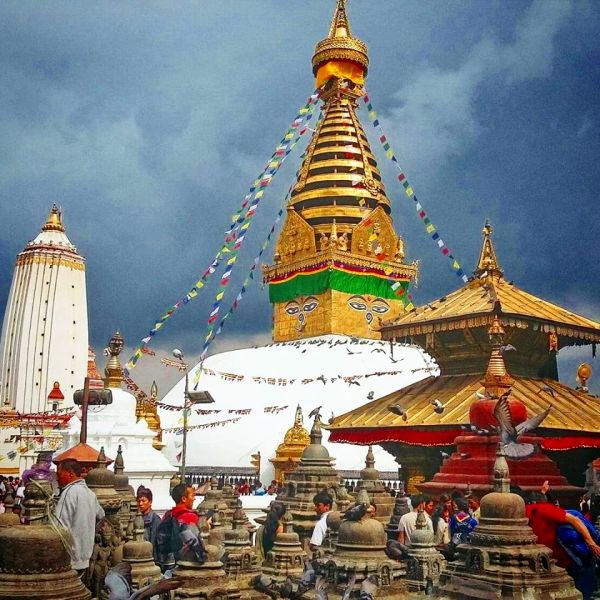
(242, 562)
(370, 482)
(286, 559)
(360, 550)
(314, 473)
(401, 507)
(8, 518)
(125, 491)
(424, 563)
(503, 558)
(138, 553)
(34, 561)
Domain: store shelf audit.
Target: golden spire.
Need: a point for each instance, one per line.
(497, 379)
(113, 370)
(488, 263)
(339, 24)
(54, 221)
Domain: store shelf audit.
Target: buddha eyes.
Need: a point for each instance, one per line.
(310, 306)
(292, 309)
(380, 308)
(356, 305)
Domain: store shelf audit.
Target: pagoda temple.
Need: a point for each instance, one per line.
(454, 330)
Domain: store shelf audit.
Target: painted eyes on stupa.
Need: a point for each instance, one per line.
(292, 308)
(308, 305)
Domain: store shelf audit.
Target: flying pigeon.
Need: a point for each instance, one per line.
(322, 378)
(370, 395)
(356, 512)
(398, 410)
(507, 348)
(315, 412)
(509, 433)
(350, 351)
(353, 382)
(377, 350)
(438, 407)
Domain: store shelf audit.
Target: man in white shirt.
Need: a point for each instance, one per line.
(323, 502)
(408, 522)
(77, 509)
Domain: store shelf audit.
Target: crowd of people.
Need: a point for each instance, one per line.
(177, 535)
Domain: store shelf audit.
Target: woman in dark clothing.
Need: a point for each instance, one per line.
(273, 526)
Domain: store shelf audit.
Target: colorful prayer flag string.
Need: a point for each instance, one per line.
(290, 139)
(430, 228)
(239, 220)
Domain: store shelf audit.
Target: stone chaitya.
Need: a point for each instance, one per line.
(370, 482)
(503, 558)
(34, 559)
(401, 507)
(286, 559)
(241, 563)
(314, 473)
(125, 491)
(138, 553)
(424, 563)
(360, 551)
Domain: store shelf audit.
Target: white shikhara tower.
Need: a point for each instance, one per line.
(45, 329)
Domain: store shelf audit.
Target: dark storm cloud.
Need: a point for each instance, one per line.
(148, 121)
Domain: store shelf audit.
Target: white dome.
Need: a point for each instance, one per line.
(329, 356)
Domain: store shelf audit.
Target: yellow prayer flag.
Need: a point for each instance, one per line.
(430, 228)
(409, 191)
(193, 293)
(389, 153)
(260, 194)
(220, 295)
(455, 265)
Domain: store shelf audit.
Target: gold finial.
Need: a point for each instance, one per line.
(488, 262)
(54, 221)
(497, 379)
(339, 24)
(340, 46)
(298, 419)
(113, 370)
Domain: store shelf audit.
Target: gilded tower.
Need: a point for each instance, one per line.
(338, 264)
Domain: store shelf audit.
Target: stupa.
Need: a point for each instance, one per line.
(401, 507)
(503, 558)
(34, 563)
(242, 561)
(115, 424)
(471, 466)
(44, 339)
(288, 453)
(338, 270)
(370, 482)
(454, 330)
(314, 473)
(360, 550)
(286, 559)
(424, 563)
(138, 553)
(128, 500)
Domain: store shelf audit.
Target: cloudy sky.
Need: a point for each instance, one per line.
(148, 121)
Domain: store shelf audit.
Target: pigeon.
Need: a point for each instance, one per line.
(321, 585)
(353, 382)
(322, 378)
(266, 585)
(398, 410)
(548, 390)
(395, 550)
(350, 351)
(349, 586)
(509, 434)
(444, 455)
(368, 588)
(303, 351)
(484, 396)
(507, 348)
(315, 412)
(438, 407)
(377, 350)
(370, 395)
(356, 512)
(464, 455)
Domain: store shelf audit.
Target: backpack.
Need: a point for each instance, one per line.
(175, 539)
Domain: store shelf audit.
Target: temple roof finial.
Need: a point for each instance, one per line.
(54, 221)
(488, 262)
(497, 378)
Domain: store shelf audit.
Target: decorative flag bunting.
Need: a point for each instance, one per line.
(204, 425)
(290, 140)
(430, 228)
(240, 220)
